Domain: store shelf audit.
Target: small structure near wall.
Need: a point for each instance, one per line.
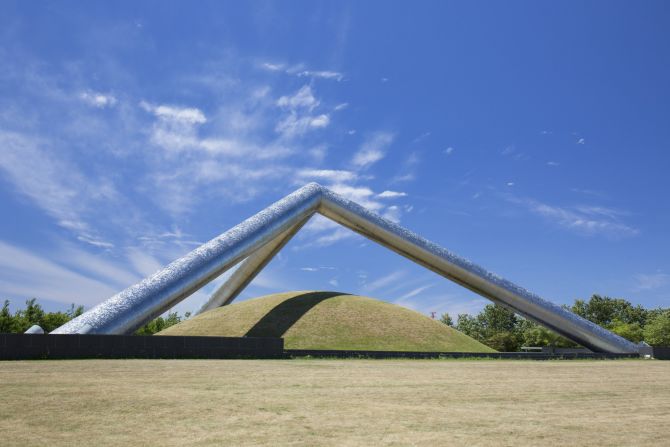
(34, 329)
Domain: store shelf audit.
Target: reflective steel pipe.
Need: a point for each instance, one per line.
(130, 309)
(471, 276)
(248, 270)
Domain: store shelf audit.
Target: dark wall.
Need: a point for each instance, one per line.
(445, 355)
(38, 346)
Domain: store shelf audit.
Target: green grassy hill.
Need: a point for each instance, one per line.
(329, 320)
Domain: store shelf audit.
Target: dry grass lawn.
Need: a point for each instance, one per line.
(334, 402)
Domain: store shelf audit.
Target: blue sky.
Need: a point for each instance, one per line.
(530, 137)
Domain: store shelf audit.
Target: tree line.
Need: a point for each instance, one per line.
(22, 319)
(495, 325)
(503, 330)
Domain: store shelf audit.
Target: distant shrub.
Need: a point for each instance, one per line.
(657, 330)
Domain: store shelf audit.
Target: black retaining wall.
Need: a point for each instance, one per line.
(455, 355)
(657, 352)
(661, 352)
(45, 346)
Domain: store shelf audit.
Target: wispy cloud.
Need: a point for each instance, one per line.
(393, 213)
(186, 115)
(303, 98)
(300, 71)
(385, 281)
(28, 275)
(372, 150)
(391, 194)
(408, 168)
(55, 185)
(588, 220)
(651, 281)
(99, 100)
(330, 175)
(415, 292)
(325, 74)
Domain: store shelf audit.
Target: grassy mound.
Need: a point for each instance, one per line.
(329, 320)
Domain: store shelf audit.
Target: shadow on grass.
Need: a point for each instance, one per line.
(280, 319)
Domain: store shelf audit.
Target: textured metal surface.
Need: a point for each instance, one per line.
(248, 270)
(136, 305)
(130, 309)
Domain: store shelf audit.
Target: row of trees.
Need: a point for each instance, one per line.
(33, 313)
(501, 329)
(22, 319)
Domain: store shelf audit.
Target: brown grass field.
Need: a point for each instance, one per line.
(334, 402)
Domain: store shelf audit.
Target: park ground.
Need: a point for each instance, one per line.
(334, 402)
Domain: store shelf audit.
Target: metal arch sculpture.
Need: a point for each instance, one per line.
(256, 240)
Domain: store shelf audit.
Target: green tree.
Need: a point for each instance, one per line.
(604, 311)
(534, 334)
(495, 326)
(505, 341)
(160, 323)
(446, 319)
(470, 326)
(629, 331)
(25, 318)
(6, 319)
(657, 330)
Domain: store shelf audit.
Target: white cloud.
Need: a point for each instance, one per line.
(97, 265)
(299, 70)
(510, 184)
(385, 280)
(392, 213)
(329, 175)
(449, 150)
(309, 269)
(273, 67)
(391, 194)
(337, 235)
(581, 141)
(408, 168)
(415, 292)
(53, 184)
(25, 275)
(334, 282)
(651, 281)
(322, 74)
(320, 121)
(99, 100)
(582, 219)
(508, 150)
(372, 150)
(553, 163)
(143, 263)
(187, 115)
(318, 153)
(341, 106)
(294, 126)
(95, 241)
(359, 194)
(303, 98)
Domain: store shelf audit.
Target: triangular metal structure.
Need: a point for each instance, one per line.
(256, 240)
